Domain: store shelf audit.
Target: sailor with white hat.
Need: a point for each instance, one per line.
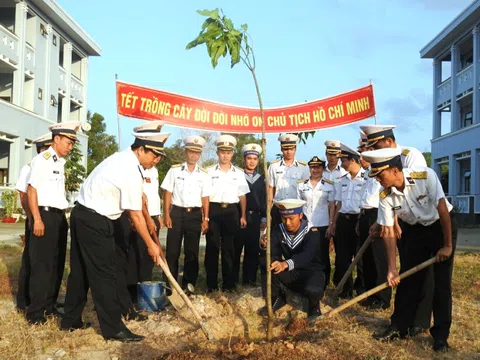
(150, 126)
(256, 217)
(284, 174)
(23, 299)
(318, 193)
(362, 142)
(47, 201)
(381, 136)
(114, 186)
(229, 188)
(417, 198)
(348, 193)
(186, 207)
(296, 262)
(333, 171)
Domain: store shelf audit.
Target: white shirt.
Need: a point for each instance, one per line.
(114, 186)
(228, 186)
(349, 192)
(335, 175)
(150, 188)
(317, 198)
(370, 192)
(418, 202)
(285, 178)
(187, 188)
(47, 176)
(412, 158)
(22, 183)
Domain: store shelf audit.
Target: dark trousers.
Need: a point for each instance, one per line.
(324, 250)
(308, 283)
(346, 245)
(186, 225)
(224, 226)
(420, 244)
(424, 298)
(23, 297)
(375, 264)
(93, 265)
(248, 238)
(139, 263)
(47, 261)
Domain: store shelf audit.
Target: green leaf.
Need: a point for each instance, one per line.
(209, 13)
(247, 47)
(206, 23)
(228, 23)
(220, 49)
(245, 27)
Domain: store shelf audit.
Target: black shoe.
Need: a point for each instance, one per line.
(81, 326)
(125, 336)
(313, 314)
(211, 290)
(391, 333)
(135, 315)
(277, 304)
(37, 321)
(415, 330)
(440, 345)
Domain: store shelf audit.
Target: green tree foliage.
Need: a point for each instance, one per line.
(175, 155)
(75, 172)
(100, 144)
(428, 158)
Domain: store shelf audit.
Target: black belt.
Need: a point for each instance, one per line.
(348, 216)
(224, 205)
(368, 211)
(84, 208)
(50, 209)
(186, 209)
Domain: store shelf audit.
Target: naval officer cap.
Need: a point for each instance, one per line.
(348, 152)
(316, 161)
(251, 149)
(150, 126)
(44, 140)
(69, 129)
(333, 147)
(225, 142)
(154, 141)
(290, 206)
(362, 142)
(194, 143)
(288, 141)
(382, 159)
(377, 132)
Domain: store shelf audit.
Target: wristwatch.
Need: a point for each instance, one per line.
(206, 219)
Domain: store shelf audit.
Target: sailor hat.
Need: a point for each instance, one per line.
(382, 159)
(348, 152)
(225, 142)
(316, 161)
(251, 149)
(288, 141)
(290, 206)
(377, 132)
(333, 146)
(150, 126)
(44, 140)
(194, 143)
(69, 128)
(153, 140)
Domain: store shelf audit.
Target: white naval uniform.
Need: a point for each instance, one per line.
(418, 202)
(349, 192)
(187, 188)
(317, 198)
(370, 192)
(47, 176)
(114, 186)
(285, 178)
(22, 182)
(411, 157)
(228, 186)
(334, 175)
(150, 189)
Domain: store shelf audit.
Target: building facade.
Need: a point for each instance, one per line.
(455, 52)
(43, 77)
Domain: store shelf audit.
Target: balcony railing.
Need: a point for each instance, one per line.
(8, 45)
(76, 90)
(464, 79)
(444, 91)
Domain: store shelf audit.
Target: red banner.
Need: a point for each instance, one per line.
(149, 104)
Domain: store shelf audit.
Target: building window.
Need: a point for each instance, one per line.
(43, 30)
(40, 93)
(53, 101)
(465, 176)
(467, 119)
(54, 40)
(443, 164)
(466, 59)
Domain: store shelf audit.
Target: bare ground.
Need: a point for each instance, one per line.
(239, 333)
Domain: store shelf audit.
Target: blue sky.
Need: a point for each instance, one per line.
(305, 51)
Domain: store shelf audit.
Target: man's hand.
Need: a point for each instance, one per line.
(392, 274)
(263, 241)
(444, 253)
(168, 221)
(204, 227)
(332, 229)
(398, 230)
(151, 226)
(263, 226)
(375, 230)
(155, 253)
(38, 228)
(243, 222)
(278, 266)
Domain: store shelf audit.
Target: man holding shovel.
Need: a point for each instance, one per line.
(429, 229)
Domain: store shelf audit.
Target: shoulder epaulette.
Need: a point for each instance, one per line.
(405, 152)
(302, 162)
(274, 162)
(302, 181)
(204, 170)
(418, 175)
(329, 181)
(176, 165)
(385, 193)
(29, 164)
(47, 155)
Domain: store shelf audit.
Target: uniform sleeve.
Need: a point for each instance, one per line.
(206, 186)
(331, 194)
(299, 192)
(169, 181)
(271, 176)
(242, 186)
(415, 159)
(131, 191)
(338, 191)
(22, 184)
(385, 215)
(304, 259)
(434, 187)
(39, 172)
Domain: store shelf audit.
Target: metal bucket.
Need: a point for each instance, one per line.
(151, 296)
